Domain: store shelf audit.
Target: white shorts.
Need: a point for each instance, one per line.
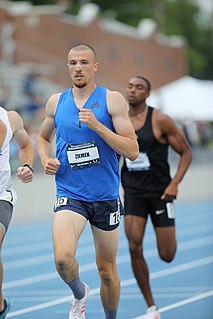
(9, 195)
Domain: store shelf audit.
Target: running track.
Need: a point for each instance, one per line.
(182, 289)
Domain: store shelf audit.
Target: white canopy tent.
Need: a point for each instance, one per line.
(185, 98)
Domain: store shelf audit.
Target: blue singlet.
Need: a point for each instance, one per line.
(89, 166)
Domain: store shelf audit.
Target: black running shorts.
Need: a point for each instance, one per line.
(160, 211)
(104, 215)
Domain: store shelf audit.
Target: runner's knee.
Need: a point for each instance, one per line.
(63, 262)
(107, 272)
(135, 248)
(167, 254)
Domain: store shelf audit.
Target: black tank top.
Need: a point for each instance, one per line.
(149, 174)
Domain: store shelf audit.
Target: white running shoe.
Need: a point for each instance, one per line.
(152, 313)
(77, 310)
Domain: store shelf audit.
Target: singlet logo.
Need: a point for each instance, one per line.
(95, 105)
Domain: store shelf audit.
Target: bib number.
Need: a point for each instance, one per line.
(141, 163)
(83, 155)
(61, 201)
(115, 217)
(170, 210)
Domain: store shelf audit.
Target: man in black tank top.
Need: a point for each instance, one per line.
(148, 186)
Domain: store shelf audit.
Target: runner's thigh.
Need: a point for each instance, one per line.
(106, 244)
(67, 228)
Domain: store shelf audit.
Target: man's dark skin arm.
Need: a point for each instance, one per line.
(167, 132)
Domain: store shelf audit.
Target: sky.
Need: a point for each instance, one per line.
(205, 4)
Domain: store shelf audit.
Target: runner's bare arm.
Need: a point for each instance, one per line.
(3, 131)
(124, 140)
(175, 137)
(45, 136)
(26, 149)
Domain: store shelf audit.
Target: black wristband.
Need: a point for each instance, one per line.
(29, 166)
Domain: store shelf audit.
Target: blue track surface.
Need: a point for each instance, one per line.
(182, 289)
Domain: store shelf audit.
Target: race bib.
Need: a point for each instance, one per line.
(83, 155)
(141, 163)
(61, 201)
(115, 217)
(170, 210)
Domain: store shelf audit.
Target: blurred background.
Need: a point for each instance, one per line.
(168, 41)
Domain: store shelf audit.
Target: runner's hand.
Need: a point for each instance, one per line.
(51, 166)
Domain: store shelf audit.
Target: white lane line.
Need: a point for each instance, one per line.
(183, 267)
(47, 245)
(27, 248)
(173, 270)
(182, 302)
(42, 259)
(30, 280)
(124, 283)
(55, 302)
(120, 260)
(187, 301)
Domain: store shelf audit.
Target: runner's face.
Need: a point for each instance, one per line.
(82, 67)
(137, 91)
